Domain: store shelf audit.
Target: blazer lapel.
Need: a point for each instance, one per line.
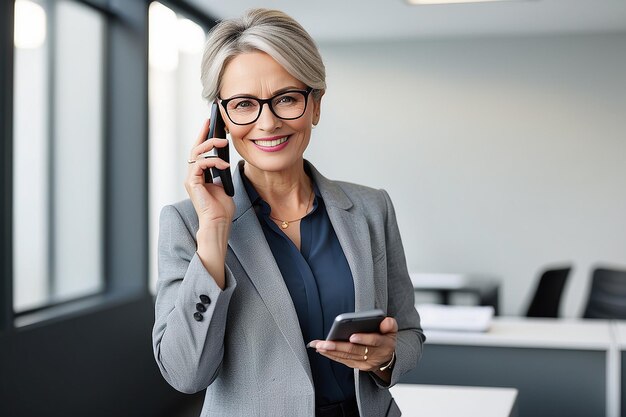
(253, 252)
(354, 237)
(248, 243)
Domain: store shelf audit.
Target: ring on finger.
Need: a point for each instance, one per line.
(365, 355)
(205, 155)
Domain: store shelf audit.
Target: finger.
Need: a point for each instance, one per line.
(313, 343)
(351, 350)
(342, 356)
(329, 344)
(197, 168)
(368, 339)
(207, 146)
(389, 325)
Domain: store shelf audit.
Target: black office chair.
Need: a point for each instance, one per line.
(547, 298)
(607, 296)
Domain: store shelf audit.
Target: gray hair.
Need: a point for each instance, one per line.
(269, 31)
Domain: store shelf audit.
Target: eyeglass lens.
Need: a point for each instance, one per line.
(289, 105)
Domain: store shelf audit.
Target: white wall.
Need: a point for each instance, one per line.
(501, 155)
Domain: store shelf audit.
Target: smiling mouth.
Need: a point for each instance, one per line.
(271, 143)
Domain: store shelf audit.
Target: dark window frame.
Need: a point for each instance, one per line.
(6, 165)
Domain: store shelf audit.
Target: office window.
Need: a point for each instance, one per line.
(177, 110)
(58, 237)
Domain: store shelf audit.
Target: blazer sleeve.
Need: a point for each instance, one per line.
(188, 352)
(401, 302)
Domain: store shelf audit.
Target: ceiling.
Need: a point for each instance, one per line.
(357, 20)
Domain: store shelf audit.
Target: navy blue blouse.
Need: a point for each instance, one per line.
(319, 280)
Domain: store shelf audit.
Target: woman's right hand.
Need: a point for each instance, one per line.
(214, 208)
(210, 201)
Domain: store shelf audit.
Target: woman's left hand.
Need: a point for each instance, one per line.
(364, 351)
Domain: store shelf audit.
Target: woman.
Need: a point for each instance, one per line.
(246, 283)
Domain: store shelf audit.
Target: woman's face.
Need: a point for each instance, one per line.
(256, 74)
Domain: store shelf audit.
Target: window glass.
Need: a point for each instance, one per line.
(177, 110)
(58, 152)
(30, 161)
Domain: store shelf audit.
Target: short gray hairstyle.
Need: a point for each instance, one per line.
(269, 31)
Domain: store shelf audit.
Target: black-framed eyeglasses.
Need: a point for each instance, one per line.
(288, 105)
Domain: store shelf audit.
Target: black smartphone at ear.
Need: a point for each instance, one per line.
(217, 130)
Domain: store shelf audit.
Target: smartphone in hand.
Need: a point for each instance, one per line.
(217, 130)
(345, 325)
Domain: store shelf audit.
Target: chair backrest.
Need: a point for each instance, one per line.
(547, 298)
(607, 296)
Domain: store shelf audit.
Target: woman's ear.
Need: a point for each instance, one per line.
(225, 118)
(317, 109)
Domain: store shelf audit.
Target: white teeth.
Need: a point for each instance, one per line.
(271, 143)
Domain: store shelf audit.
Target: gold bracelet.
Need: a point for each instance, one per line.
(385, 367)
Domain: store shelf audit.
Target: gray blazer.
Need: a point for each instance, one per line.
(248, 350)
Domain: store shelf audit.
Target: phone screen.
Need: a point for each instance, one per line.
(345, 325)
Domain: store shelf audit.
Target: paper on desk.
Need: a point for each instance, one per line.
(459, 318)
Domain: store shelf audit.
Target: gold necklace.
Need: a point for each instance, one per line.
(285, 223)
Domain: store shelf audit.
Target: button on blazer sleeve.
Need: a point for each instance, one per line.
(188, 350)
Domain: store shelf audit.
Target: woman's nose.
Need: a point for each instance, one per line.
(267, 120)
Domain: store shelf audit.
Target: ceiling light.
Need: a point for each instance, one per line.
(30, 25)
(420, 2)
(162, 45)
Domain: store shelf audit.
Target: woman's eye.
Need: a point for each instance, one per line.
(285, 100)
(244, 104)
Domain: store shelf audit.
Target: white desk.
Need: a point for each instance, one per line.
(533, 332)
(619, 329)
(560, 367)
(417, 400)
